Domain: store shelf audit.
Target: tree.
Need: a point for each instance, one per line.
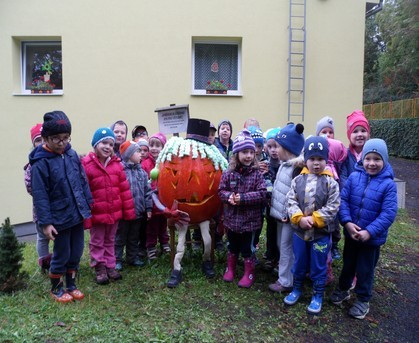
(11, 257)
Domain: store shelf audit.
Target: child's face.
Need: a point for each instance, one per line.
(328, 132)
(316, 165)
(284, 154)
(224, 132)
(273, 148)
(373, 163)
(246, 157)
(258, 151)
(57, 143)
(358, 138)
(104, 149)
(120, 133)
(143, 152)
(211, 136)
(136, 157)
(37, 141)
(155, 147)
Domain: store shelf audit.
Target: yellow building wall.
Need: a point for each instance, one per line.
(124, 59)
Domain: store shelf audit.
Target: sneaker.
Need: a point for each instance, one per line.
(278, 288)
(219, 246)
(339, 296)
(208, 269)
(269, 265)
(316, 304)
(136, 263)
(292, 298)
(165, 248)
(118, 266)
(152, 254)
(359, 310)
(335, 253)
(113, 274)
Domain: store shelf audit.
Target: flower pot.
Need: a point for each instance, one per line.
(40, 91)
(216, 91)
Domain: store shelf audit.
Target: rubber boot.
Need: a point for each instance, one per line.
(316, 301)
(231, 267)
(208, 269)
(101, 274)
(70, 279)
(175, 278)
(57, 289)
(45, 263)
(297, 290)
(249, 273)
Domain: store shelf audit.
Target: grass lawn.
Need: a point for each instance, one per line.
(140, 308)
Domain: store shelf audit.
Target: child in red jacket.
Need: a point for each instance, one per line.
(112, 201)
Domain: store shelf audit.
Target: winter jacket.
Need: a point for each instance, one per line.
(282, 184)
(250, 184)
(226, 152)
(140, 189)
(60, 191)
(370, 202)
(112, 199)
(322, 191)
(148, 165)
(348, 167)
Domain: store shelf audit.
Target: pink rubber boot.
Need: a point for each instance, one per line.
(231, 267)
(249, 273)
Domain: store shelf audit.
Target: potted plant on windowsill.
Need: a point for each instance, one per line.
(217, 87)
(41, 87)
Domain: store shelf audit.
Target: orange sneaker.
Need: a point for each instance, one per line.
(62, 297)
(76, 294)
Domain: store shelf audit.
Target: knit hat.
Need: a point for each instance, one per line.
(243, 141)
(224, 121)
(324, 122)
(55, 122)
(378, 146)
(102, 134)
(291, 138)
(212, 127)
(356, 118)
(161, 137)
(142, 142)
(35, 132)
(138, 128)
(127, 149)
(316, 146)
(198, 130)
(271, 133)
(256, 134)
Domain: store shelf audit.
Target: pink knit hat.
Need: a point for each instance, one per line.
(161, 137)
(356, 118)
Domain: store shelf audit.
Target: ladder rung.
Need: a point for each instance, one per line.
(296, 53)
(296, 65)
(296, 41)
(296, 78)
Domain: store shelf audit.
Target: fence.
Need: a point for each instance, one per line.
(407, 108)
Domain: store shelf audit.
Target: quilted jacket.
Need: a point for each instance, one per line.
(370, 202)
(112, 198)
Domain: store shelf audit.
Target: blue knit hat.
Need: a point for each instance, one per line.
(291, 138)
(256, 134)
(271, 133)
(55, 122)
(378, 146)
(316, 146)
(102, 134)
(243, 141)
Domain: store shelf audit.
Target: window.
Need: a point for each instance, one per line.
(42, 67)
(216, 67)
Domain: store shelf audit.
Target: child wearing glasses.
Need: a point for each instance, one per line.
(62, 200)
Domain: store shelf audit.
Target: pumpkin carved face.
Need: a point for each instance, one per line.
(193, 182)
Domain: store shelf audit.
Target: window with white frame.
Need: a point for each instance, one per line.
(216, 67)
(42, 67)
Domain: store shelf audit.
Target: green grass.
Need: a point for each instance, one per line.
(140, 308)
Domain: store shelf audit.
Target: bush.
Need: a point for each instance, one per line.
(11, 258)
(401, 136)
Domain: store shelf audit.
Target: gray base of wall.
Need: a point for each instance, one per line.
(25, 232)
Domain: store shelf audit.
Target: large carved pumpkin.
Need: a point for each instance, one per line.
(191, 179)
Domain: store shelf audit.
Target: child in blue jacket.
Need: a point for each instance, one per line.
(368, 209)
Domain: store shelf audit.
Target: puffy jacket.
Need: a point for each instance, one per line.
(348, 167)
(61, 194)
(112, 198)
(370, 202)
(282, 185)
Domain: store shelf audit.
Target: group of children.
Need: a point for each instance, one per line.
(303, 187)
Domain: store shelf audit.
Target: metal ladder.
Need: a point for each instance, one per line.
(296, 60)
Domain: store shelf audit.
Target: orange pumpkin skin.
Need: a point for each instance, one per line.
(193, 183)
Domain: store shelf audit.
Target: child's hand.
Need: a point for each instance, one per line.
(231, 199)
(237, 198)
(234, 199)
(50, 232)
(148, 215)
(306, 223)
(263, 167)
(353, 230)
(364, 235)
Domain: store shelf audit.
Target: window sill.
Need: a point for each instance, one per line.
(229, 93)
(28, 93)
